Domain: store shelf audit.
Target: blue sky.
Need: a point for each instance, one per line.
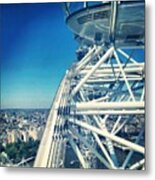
(36, 49)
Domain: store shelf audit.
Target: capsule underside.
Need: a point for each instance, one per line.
(94, 23)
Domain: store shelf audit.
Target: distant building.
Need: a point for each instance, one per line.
(33, 133)
(24, 136)
(11, 136)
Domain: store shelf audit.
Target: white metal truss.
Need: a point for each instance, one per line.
(98, 111)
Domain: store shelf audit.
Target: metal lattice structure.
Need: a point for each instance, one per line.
(99, 109)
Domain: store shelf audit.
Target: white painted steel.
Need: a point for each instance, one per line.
(104, 58)
(78, 153)
(105, 133)
(109, 105)
(99, 106)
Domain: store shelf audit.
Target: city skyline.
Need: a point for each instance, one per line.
(36, 49)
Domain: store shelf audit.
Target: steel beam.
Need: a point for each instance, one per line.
(91, 148)
(110, 112)
(109, 105)
(124, 75)
(137, 164)
(88, 57)
(104, 58)
(104, 150)
(105, 133)
(127, 56)
(78, 153)
(128, 157)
